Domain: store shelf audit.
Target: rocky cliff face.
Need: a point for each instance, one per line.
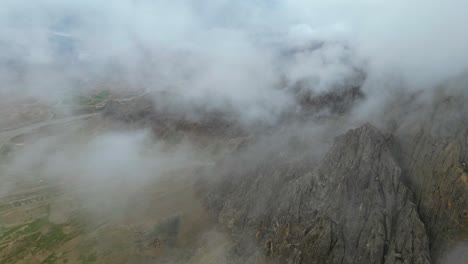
(433, 154)
(396, 197)
(351, 208)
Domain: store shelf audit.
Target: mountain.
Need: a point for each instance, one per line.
(398, 196)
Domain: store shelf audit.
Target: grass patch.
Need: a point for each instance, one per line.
(6, 233)
(52, 238)
(2, 247)
(89, 259)
(32, 238)
(35, 226)
(94, 99)
(5, 149)
(51, 259)
(4, 207)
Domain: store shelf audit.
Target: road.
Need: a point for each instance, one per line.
(9, 134)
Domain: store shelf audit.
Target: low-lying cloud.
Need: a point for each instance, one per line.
(227, 56)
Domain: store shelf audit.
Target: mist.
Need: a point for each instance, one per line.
(287, 76)
(228, 57)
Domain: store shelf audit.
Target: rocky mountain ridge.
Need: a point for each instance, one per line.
(393, 194)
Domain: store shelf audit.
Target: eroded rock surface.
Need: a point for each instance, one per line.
(351, 208)
(433, 154)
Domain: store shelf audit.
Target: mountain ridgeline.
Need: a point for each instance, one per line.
(395, 192)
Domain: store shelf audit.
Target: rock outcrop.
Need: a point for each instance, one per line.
(433, 153)
(351, 208)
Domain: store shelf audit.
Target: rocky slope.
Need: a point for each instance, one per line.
(393, 194)
(351, 208)
(433, 154)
